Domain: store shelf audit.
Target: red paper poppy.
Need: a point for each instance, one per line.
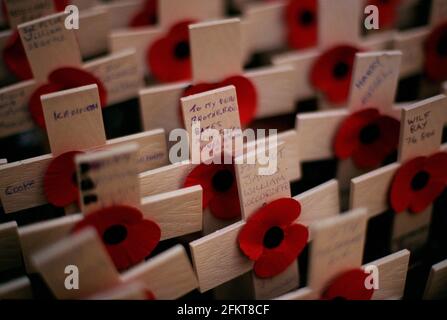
(169, 58)
(436, 54)
(59, 182)
(350, 285)
(247, 97)
(367, 137)
(128, 237)
(149, 295)
(301, 19)
(219, 186)
(15, 58)
(388, 12)
(332, 71)
(63, 79)
(147, 16)
(271, 237)
(418, 182)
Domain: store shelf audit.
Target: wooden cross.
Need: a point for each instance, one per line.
(337, 246)
(169, 13)
(17, 289)
(118, 71)
(216, 51)
(220, 251)
(437, 282)
(412, 42)
(373, 85)
(168, 275)
(371, 190)
(111, 179)
(21, 183)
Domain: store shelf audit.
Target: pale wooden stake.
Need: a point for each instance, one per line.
(436, 288)
(220, 251)
(18, 289)
(21, 183)
(23, 11)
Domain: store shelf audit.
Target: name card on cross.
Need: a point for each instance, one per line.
(108, 177)
(421, 128)
(74, 119)
(49, 45)
(216, 109)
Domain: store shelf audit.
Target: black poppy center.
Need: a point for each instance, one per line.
(420, 180)
(115, 234)
(181, 50)
(306, 18)
(340, 70)
(442, 45)
(273, 237)
(223, 180)
(369, 134)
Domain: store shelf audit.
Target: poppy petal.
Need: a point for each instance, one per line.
(59, 182)
(15, 58)
(388, 12)
(347, 137)
(302, 26)
(146, 16)
(436, 166)
(401, 193)
(127, 236)
(70, 78)
(350, 285)
(424, 198)
(226, 206)
(274, 261)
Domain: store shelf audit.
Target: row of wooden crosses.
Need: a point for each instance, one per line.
(136, 225)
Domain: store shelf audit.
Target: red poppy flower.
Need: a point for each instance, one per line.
(271, 237)
(301, 19)
(169, 57)
(368, 137)
(388, 12)
(15, 58)
(245, 90)
(219, 186)
(147, 16)
(128, 237)
(59, 182)
(331, 73)
(350, 285)
(63, 79)
(436, 54)
(418, 182)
